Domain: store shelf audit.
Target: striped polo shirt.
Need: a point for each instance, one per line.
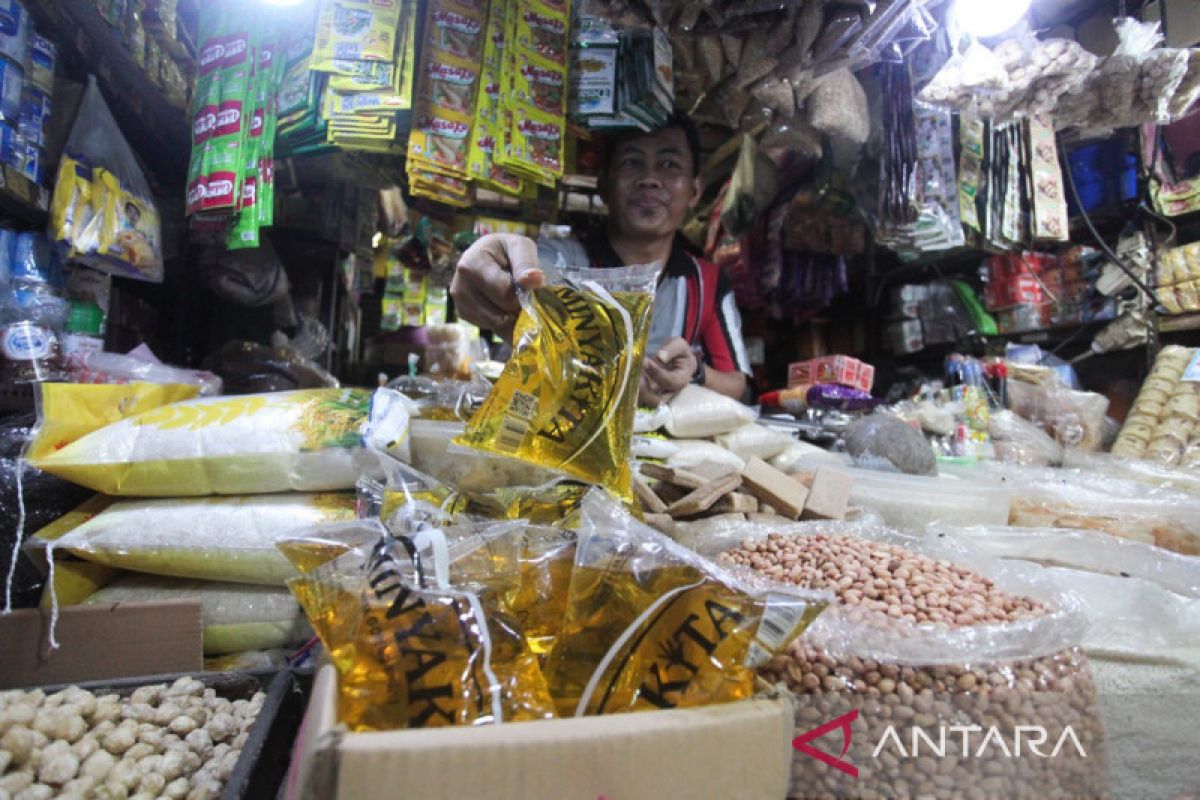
(693, 301)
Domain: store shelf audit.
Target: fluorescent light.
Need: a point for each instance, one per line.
(984, 18)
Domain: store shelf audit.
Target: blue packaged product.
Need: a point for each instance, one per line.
(8, 144)
(33, 259)
(42, 57)
(12, 81)
(33, 164)
(8, 243)
(14, 31)
(35, 114)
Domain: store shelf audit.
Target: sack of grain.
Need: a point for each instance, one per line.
(920, 646)
(208, 538)
(234, 616)
(306, 440)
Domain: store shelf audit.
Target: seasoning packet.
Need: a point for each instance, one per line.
(567, 396)
(486, 134)
(357, 30)
(412, 649)
(535, 144)
(651, 624)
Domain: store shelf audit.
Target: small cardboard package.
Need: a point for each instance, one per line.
(740, 750)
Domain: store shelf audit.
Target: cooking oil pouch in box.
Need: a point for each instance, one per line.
(418, 653)
(567, 396)
(359, 30)
(305, 440)
(206, 538)
(651, 624)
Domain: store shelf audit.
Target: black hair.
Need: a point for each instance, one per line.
(677, 120)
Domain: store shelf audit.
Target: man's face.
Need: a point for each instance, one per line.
(649, 187)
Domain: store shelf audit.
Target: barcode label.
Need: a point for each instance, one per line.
(511, 434)
(780, 619)
(523, 405)
(756, 656)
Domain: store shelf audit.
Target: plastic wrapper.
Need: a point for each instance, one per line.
(249, 368)
(697, 412)
(413, 651)
(102, 210)
(1075, 418)
(801, 455)
(883, 441)
(233, 616)
(1080, 550)
(211, 538)
(1164, 423)
(567, 396)
(838, 107)
(755, 440)
(842, 398)
(307, 440)
(1189, 88)
(873, 650)
(117, 368)
(654, 447)
(652, 625)
(1019, 441)
(432, 454)
(1160, 74)
(965, 76)
(1155, 476)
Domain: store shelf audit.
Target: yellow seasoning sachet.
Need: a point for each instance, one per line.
(567, 396)
(415, 651)
(651, 624)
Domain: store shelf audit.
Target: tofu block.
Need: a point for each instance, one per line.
(774, 488)
(736, 503)
(673, 476)
(663, 523)
(650, 501)
(703, 498)
(829, 495)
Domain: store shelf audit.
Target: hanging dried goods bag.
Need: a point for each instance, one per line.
(567, 397)
(304, 440)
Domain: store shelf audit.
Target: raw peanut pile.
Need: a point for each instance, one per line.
(884, 578)
(178, 741)
(869, 579)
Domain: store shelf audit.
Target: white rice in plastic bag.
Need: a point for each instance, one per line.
(692, 454)
(755, 440)
(697, 412)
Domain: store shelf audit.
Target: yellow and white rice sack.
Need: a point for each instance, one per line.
(306, 440)
(208, 538)
(234, 616)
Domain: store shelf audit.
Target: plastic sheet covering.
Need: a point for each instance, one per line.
(1148, 473)
(307, 440)
(213, 538)
(1083, 551)
(234, 616)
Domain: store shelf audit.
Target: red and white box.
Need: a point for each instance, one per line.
(832, 369)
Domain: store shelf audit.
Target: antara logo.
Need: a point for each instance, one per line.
(540, 75)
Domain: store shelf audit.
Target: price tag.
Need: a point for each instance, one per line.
(1192, 373)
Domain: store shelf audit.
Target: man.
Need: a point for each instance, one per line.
(649, 182)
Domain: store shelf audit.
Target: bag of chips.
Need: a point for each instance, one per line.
(413, 650)
(207, 538)
(305, 440)
(567, 396)
(651, 624)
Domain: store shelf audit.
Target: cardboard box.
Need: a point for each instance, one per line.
(736, 750)
(832, 369)
(100, 642)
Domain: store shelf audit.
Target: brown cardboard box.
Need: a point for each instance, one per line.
(737, 750)
(121, 640)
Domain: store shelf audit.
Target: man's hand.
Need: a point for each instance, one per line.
(486, 278)
(667, 372)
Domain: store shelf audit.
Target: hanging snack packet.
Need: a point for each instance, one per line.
(568, 394)
(414, 651)
(207, 538)
(651, 624)
(305, 440)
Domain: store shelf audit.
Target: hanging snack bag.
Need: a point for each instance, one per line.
(567, 396)
(102, 212)
(206, 538)
(651, 624)
(487, 135)
(305, 440)
(414, 651)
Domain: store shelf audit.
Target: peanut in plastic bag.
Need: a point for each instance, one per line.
(651, 624)
(567, 396)
(416, 653)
